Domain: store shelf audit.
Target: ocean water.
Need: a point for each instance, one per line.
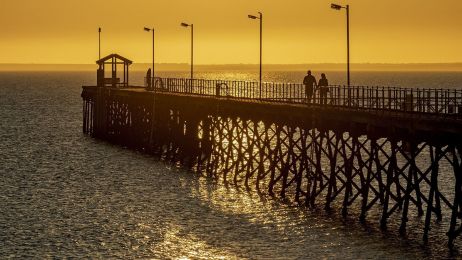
(64, 194)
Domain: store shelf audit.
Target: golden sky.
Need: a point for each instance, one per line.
(294, 31)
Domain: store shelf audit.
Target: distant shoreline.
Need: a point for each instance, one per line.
(437, 67)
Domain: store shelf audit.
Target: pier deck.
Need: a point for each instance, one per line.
(367, 148)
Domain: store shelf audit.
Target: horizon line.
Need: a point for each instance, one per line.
(256, 64)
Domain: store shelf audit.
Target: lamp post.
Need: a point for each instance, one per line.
(260, 17)
(192, 46)
(148, 30)
(347, 8)
(99, 43)
(153, 120)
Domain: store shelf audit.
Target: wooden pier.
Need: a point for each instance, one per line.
(368, 148)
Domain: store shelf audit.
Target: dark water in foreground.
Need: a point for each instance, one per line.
(63, 194)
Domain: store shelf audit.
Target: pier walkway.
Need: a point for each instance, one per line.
(395, 152)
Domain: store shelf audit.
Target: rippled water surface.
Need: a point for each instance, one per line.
(63, 194)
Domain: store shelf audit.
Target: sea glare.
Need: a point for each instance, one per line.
(64, 194)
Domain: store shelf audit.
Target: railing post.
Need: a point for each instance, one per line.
(349, 94)
(362, 96)
(389, 99)
(436, 101)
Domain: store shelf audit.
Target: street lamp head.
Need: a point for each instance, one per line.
(185, 24)
(147, 29)
(336, 7)
(99, 29)
(252, 16)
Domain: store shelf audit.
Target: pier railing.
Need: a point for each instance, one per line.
(423, 100)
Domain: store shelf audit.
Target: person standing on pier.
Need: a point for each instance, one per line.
(148, 80)
(323, 85)
(310, 84)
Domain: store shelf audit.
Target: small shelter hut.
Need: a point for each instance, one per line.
(113, 80)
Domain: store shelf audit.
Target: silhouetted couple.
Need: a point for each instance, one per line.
(310, 87)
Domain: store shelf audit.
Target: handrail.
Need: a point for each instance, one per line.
(420, 100)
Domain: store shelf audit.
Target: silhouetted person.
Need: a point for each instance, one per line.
(323, 85)
(310, 84)
(148, 79)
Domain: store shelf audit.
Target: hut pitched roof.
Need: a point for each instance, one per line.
(114, 55)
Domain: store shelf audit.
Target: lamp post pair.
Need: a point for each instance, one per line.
(333, 6)
(192, 45)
